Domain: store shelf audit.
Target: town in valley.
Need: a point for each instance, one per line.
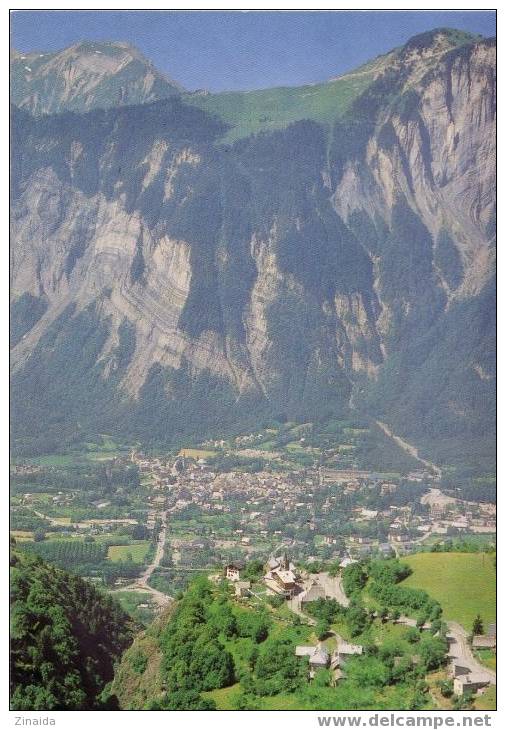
(300, 509)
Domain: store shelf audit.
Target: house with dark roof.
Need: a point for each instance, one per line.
(312, 593)
(233, 570)
(468, 684)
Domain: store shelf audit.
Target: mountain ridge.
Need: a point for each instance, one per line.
(86, 75)
(283, 273)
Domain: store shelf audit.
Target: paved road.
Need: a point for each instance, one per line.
(333, 588)
(160, 545)
(141, 584)
(461, 651)
(294, 606)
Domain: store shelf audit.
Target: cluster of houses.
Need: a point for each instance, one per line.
(282, 577)
(466, 680)
(260, 500)
(449, 515)
(320, 658)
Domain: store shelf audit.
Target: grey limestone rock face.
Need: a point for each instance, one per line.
(308, 269)
(86, 76)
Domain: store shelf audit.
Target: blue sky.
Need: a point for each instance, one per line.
(238, 50)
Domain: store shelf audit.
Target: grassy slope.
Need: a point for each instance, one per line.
(224, 697)
(268, 109)
(250, 112)
(488, 700)
(464, 583)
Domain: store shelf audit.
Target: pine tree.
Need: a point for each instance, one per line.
(477, 625)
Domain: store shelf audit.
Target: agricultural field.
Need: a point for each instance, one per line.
(54, 459)
(89, 558)
(463, 583)
(294, 446)
(138, 551)
(103, 449)
(22, 535)
(69, 554)
(196, 453)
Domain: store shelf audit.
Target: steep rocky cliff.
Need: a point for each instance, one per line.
(86, 76)
(165, 283)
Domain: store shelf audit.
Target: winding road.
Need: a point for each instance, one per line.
(461, 652)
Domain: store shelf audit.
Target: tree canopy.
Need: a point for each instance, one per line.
(65, 638)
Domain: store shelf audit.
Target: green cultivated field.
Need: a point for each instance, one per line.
(54, 460)
(463, 583)
(138, 551)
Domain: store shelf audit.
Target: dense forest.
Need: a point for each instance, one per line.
(66, 637)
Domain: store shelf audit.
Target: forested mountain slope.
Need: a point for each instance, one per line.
(167, 283)
(65, 638)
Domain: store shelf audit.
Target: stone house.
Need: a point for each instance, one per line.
(468, 684)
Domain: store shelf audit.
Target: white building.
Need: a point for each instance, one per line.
(233, 571)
